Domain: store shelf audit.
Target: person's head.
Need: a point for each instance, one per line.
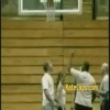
(60, 78)
(47, 67)
(85, 66)
(105, 68)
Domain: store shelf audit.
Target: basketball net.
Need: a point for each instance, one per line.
(50, 12)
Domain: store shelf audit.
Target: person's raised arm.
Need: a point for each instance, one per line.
(72, 70)
(71, 62)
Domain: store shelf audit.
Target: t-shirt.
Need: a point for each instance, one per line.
(84, 78)
(47, 83)
(104, 87)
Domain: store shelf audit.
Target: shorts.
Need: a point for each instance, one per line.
(48, 107)
(59, 108)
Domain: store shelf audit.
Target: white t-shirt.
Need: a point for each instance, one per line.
(104, 86)
(61, 95)
(47, 83)
(84, 78)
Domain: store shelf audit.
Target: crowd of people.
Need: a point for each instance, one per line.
(83, 100)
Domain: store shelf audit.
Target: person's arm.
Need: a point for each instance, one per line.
(72, 70)
(73, 100)
(94, 95)
(69, 69)
(94, 92)
(46, 92)
(103, 93)
(71, 62)
(73, 97)
(76, 73)
(105, 85)
(74, 94)
(59, 89)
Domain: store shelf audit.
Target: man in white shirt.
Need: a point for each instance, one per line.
(104, 88)
(83, 100)
(48, 88)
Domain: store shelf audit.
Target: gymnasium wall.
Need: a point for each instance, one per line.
(27, 44)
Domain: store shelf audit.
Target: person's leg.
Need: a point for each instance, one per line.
(89, 108)
(101, 107)
(44, 108)
(48, 107)
(106, 106)
(60, 108)
(76, 106)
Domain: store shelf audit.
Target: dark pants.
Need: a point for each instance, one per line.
(101, 107)
(59, 108)
(80, 107)
(106, 105)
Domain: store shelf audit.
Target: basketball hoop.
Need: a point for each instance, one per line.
(50, 9)
(51, 14)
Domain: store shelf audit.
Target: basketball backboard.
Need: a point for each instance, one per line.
(35, 7)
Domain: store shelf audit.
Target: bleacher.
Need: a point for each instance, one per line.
(26, 45)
